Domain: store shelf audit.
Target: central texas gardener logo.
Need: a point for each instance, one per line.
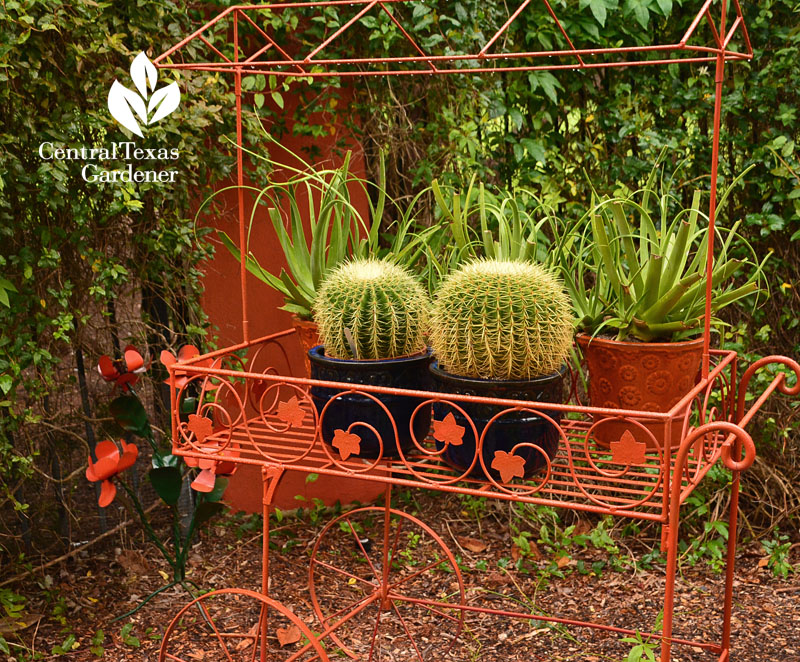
(149, 105)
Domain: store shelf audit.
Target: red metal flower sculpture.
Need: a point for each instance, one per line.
(210, 468)
(184, 354)
(123, 372)
(109, 463)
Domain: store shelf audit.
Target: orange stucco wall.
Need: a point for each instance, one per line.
(222, 301)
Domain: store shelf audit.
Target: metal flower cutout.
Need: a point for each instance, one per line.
(291, 412)
(110, 462)
(448, 431)
(201, 426)
(124, 102)
(122, 372)
(627, 450)
(184, 354)
(509, 465)
(347, 443)
(212, 467)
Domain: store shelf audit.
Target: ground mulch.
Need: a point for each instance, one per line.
(84, 594)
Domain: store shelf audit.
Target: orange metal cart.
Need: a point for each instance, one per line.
(262, 415)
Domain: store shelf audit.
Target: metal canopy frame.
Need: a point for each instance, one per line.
(268, 57)
(266, 416)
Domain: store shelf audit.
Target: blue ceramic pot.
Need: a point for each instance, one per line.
(508, 430)
(409, 372)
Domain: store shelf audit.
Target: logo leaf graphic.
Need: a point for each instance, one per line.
(164, 101)
(142, 72)
(120, 102)
(123, 102)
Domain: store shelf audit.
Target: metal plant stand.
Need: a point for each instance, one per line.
(262, 415)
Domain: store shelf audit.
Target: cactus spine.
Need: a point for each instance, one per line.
(383, 306)
(501, 320)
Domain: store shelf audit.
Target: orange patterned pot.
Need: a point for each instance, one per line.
(643, 377)
(309, 337)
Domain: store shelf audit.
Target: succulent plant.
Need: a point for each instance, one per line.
(382, 305)
(318, 236)
(635, 265)
(496, 319)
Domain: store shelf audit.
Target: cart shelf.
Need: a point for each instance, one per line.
(236, 406)
(573, 482)
(263, 417)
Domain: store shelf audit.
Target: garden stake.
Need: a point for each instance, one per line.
(87, 416)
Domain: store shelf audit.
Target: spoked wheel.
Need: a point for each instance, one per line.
(237, 625)
(386, 587)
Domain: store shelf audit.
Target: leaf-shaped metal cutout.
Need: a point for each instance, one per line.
(201, 426)
(509, 465)
(291, 412)
(120, 102)
(142, 72)
(627, 450)
(448, 431)
(163, 102)
(347, 443)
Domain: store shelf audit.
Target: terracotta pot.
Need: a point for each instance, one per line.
(309, 337)
(640, 376)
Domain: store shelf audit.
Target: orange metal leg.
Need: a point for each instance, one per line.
(387, 532)
(669, 589)
(731, 563)
(270, 477)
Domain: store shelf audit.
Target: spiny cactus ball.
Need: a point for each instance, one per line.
(496, 319)
(382, 304)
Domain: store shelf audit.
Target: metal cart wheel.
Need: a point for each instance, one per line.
(237, 625)
(386, 587)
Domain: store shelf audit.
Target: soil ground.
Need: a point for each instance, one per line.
(84, 594)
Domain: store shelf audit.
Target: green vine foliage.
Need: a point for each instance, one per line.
(86, 266)
(563, 134)
(75, 257)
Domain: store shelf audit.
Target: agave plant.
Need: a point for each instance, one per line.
(476, 223)
(338, 230)
(646, 280)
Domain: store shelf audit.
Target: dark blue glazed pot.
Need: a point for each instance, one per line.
(508, 430)
(410, 372)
